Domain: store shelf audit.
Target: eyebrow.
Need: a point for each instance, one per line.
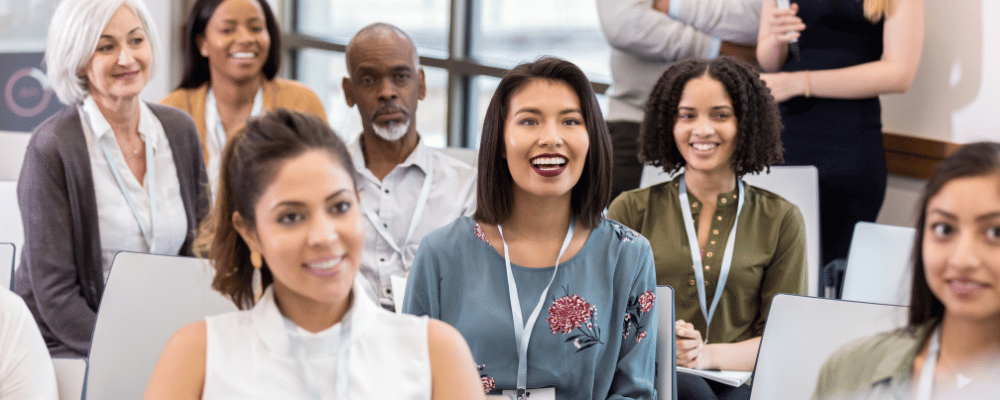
(992, 215)
(138, 28)
(293, 203)
(713, 108)
(535, 110)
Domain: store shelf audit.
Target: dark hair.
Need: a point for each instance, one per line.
(495, 191)
(974, 159)
(758, 137)
(196, 71)
(250, 161)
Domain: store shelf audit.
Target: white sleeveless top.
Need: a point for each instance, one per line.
(248, 355)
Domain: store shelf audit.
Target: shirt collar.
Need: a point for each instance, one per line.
(896, 368)
(723, 201)
(100, 126)
(419, 157)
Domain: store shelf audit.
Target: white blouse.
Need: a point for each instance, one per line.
(119, 228)
(251, 355)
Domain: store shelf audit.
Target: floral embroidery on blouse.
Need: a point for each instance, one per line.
(488, 383)
(570, 313)
(479, 233)
(625, 233)
(637, 305)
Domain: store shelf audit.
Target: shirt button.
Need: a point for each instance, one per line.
(694, 204)
(713, 242)
(387, 191)
(382, 259)
(692, 282)
(709, 254)
(715, 231)
(719, 218)
(385, 225)
(723, 199)
(734, 196)
(388, 290)
(708, 268)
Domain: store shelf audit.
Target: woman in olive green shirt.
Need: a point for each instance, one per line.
(951, 348)
(717, 120)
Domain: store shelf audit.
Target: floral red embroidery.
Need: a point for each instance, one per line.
(638, 339)
(646, 301)
(479, 233)
(567, 313)
(488, 384)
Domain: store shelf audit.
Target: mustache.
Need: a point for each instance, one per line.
(390, 108)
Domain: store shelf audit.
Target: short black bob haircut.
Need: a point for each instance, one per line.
(971, 160)
(758, 135)
(495, 191)
(196, 71)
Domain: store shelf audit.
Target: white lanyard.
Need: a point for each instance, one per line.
(309, 379)
(522, 330)
(213, 120)
(418, 211)
(147, 232)
(727, 257)
(925, 386)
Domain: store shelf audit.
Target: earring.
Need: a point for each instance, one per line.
(256, 281)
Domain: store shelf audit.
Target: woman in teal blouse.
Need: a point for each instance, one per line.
(553, 299)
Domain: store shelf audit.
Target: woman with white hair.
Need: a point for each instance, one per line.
(108, 173)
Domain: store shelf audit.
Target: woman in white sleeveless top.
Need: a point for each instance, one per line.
(287, 219)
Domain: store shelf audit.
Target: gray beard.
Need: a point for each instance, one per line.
(393, 132)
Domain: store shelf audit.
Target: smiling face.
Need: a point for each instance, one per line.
(961, 247)
(120, 65)
(236, 41)
(308, 229)
(545, 139)
(705, 131)
(385, 83)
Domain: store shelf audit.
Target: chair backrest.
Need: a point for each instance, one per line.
(70, 375)
(879, 264)
(802, 332)
(666, 344)
(12, 148)
(797, 184)
(7, 265)
(147, 298)
(469, 156)
(11, 230)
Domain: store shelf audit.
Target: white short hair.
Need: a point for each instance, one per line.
(73, 34)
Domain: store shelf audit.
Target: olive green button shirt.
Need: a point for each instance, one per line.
(878, 367)
(769, 258)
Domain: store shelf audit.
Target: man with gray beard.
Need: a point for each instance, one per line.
(407, 189)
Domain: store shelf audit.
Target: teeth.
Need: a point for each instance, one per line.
(326, 264)
(966, 285)
(704, 146)
(548, 161)
(244, 54)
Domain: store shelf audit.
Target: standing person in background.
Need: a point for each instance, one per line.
(108, 173)
(646, 36)
(407, 188)
(539, 241)
(726, 247)
(951, 346)
(232, 53)
(851, 51)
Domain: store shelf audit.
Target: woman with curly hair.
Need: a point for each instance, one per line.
(726, 247)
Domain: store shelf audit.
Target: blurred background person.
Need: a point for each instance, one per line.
(646, 36)
(724, 246)
(951, 346)
(851, 51)
(289, 224)
(108, 173)
(232, 53)
(25, 366)
(544, 164)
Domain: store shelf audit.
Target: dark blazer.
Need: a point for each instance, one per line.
(60, 276)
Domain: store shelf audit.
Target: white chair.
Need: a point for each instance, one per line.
(666, 345)
(797, 184)
(879, 264)
(12, 148)
(147, 298)
(6, 265)
(70, 375)
(802, 332)
(11, 230)
(469, 156)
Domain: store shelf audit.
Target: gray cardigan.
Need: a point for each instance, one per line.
(60, 275)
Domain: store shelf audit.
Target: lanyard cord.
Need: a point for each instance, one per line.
(418, 211)
(147, 232)
(309, 379)
(522, 331)
(213, 120)
(727, 258)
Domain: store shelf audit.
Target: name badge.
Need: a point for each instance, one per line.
(548, 393)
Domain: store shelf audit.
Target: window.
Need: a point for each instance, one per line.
(465, 47)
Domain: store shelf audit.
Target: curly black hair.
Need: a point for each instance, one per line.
(758, 137)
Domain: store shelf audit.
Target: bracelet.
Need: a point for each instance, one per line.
(808, 85)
